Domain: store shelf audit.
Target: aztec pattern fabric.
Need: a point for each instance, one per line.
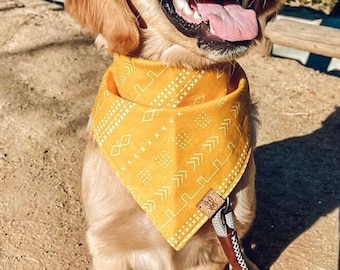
(171, 134)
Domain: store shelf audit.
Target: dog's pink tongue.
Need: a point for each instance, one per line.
(229, 22)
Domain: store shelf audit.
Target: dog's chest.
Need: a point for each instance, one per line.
(171, 135)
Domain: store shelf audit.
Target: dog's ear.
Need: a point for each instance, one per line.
(111, 18)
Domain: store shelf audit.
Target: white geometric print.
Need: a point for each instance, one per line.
(185, 85)
(163, 192)
(163, 159)
(220, 102)
(138, 89)
(202, 120)
(149, 206)
(199, 100)
(149, 115)
(236, 108)
(168, 91)
(116, 114)
(182, 139)
(129, 66)
(196, 160)
(124, 141)
(211, 143)
(179, 177)
(122, 78)
(144, 176)
(225, 126)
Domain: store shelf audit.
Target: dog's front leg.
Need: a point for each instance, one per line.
(243, 199)
(119, 235)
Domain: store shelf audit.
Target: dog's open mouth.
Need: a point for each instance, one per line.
(212, 20)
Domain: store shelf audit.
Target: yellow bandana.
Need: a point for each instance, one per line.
(171, 134)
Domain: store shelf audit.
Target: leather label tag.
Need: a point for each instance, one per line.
(210, 203)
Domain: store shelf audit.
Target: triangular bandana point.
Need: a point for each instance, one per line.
(172, 134)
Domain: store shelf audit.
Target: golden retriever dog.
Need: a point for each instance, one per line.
(184, 34)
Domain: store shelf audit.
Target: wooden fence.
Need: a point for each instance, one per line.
(316, 39)
(298, 34)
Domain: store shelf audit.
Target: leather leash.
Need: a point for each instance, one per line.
(223, 223)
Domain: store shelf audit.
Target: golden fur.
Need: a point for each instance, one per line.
(120, 236)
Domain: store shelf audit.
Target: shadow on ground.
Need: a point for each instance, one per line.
(297, 183)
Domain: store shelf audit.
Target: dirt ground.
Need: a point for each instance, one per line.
(49, 73)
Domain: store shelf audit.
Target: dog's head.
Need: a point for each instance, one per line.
(181, 32)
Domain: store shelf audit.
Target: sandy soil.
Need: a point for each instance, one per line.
(49, 73)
